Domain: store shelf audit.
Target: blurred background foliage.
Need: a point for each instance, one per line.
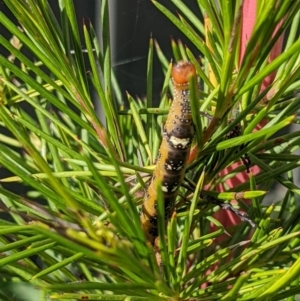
(75, 232)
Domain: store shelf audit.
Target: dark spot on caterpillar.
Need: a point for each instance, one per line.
(173, 153)
(153, 220)
(153, 232)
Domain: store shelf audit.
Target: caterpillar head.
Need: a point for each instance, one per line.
(182, 71)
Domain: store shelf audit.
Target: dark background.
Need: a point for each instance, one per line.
(132, 23)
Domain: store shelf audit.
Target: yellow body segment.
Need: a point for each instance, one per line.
(173, 153)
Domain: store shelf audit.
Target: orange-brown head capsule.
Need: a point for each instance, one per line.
(182, 71)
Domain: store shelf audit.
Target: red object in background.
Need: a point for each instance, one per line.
(228, 218)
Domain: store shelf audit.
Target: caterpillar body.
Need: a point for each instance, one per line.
(170, 167)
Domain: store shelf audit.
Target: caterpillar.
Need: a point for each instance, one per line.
(170, 167)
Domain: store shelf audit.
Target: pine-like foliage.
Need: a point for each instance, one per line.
(75, 234)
